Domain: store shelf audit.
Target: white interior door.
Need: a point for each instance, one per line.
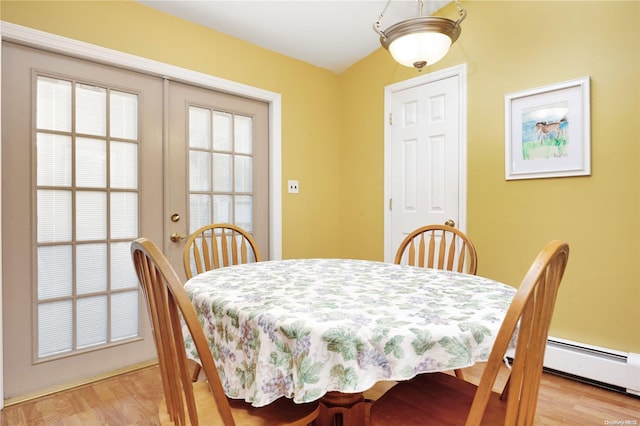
(425, 166)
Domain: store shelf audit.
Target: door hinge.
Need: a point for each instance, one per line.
(390, 119)
(390, 203)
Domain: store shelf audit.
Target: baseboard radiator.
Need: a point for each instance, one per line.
(619, 371)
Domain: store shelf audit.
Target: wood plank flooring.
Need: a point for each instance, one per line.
(132, 399)
(563, 401)
(127, 399)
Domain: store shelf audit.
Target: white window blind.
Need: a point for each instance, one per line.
(87, 214)
(221, 167)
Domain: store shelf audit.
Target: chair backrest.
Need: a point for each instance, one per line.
(531, 308)
(438, 246)
(217, 245)
(166, 300)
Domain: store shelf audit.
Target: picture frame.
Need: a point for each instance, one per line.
(548, 131)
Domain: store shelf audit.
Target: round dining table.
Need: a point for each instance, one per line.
(329, 329)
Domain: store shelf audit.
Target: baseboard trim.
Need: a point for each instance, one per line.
(54, 389)
(605, 367)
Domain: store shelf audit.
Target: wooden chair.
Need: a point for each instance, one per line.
(453, 248)
(214, 246)
(204, 402)
(217, 245)
(443, 399)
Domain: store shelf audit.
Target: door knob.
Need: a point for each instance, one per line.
(176, 236)
(451, 223)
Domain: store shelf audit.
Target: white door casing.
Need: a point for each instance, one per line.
(425, 154)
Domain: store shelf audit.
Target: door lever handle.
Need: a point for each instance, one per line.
(176, 237)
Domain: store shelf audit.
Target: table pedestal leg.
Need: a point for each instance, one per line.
(341, 409)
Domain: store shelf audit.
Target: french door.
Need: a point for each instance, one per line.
(222, 141)
(86, 169)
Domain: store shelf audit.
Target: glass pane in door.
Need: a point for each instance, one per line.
(220, 168)
(87, 215)
(54, 160)
(53, 104)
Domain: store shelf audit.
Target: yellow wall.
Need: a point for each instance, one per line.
(333, 139)
(508, 47)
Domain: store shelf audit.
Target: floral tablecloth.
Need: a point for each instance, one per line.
(301, 328)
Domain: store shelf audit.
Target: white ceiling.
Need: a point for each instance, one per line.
(331, 34)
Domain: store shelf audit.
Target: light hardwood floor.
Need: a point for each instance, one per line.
(132, 399)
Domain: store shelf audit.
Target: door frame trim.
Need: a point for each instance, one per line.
(461, 72)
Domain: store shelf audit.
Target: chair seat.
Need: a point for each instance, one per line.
(281, 412)
(433, 399)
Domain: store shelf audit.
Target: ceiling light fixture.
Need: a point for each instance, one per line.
(420, 41)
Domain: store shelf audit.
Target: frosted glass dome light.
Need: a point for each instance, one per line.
(420, 41)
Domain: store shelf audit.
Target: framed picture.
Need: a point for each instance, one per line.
(547, 131)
